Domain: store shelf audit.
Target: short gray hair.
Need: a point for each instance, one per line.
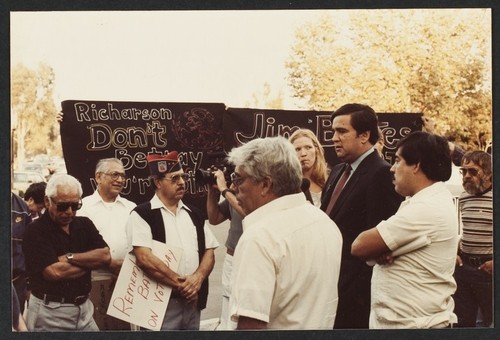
(274, 157)
(62, 180)
(103, 164)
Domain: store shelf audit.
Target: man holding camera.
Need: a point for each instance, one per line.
(218, 212)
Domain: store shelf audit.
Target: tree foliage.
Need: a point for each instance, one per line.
(33, 113)
(266, 99)
(429, 61)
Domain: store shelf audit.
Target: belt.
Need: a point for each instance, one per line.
(474, 260)
(230, 251)
(78, 300)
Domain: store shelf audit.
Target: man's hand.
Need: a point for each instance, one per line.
(114, 267)
(459, 261)
(385, 259)
(190, 285)
(60, 116)
(487, 267)
(220, 179)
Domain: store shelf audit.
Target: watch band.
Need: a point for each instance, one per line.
(225, 191)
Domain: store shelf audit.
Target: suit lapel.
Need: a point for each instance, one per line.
(360, 171)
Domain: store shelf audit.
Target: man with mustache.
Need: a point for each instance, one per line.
(414, 289)
(165, 218)
(474, 265)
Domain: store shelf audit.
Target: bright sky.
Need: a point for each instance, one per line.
(168, 56)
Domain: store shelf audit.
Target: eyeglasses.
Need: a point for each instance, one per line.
(176, 178)
(115, 175)
(237, 179)
(472, 171)
(63, 206)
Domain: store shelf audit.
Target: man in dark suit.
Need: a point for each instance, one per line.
(358, 194)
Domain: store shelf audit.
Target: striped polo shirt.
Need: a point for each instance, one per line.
(477, 223)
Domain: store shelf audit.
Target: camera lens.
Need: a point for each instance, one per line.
(204, 177)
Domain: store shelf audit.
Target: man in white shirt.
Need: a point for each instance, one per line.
(287, 261)
(108, 210)
(165, 218)
(414, 289)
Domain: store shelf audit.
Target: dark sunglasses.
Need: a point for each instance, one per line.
(472, 171)
(63, 206)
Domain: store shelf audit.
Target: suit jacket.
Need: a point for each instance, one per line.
(367, 198)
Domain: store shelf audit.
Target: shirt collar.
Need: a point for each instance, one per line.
(46, 220)
(357, 162)
(425, 193)
(281, 203)
(96, 198)
(156, 203)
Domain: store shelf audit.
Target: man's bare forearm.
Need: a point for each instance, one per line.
(92, 259)
(155, 268)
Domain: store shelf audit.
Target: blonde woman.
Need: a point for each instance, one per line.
(312, 159)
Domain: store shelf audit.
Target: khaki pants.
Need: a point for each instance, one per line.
(55, 316)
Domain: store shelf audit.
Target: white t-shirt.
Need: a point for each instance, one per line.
(316, 197)
(110, 219)
(179, 230)
(286, 266)
(415, 291)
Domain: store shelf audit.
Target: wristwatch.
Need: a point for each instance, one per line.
(223, 193)
(69, 256)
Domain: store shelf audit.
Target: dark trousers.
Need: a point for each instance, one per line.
(353, 311)
(474, 291)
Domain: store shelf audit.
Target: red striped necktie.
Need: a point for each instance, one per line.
(338, 188)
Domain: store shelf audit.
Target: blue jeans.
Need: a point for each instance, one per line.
(474, 291)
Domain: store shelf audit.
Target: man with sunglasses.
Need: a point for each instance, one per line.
(165, 218)
(474, 266)
(109, 211)
(61, 249)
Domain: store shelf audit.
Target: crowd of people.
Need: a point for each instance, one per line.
(364, 245)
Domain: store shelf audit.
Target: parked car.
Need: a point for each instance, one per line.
(23, 179)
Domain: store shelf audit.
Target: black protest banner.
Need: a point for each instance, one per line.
(394, 127)
(129, 131)
(200, 132)
(242, 125)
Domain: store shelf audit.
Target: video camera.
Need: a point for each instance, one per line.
(219, 162)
